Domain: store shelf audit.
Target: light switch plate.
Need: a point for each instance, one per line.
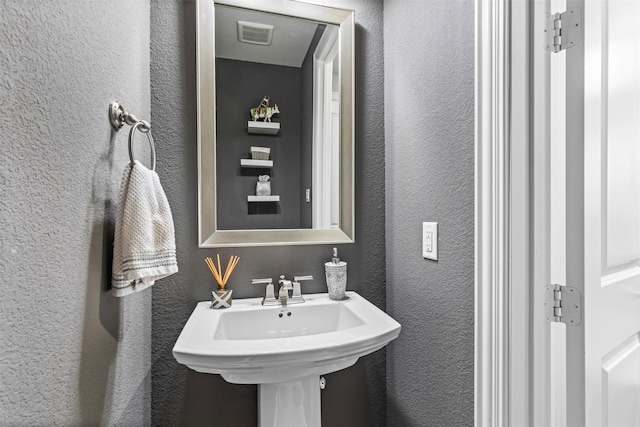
(430, 240)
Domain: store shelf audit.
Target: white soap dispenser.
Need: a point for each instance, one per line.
(336, 273)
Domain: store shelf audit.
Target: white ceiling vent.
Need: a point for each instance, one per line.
(254, 33)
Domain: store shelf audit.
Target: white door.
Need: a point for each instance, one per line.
(593, 221)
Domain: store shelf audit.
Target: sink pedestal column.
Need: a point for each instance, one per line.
(290, 404)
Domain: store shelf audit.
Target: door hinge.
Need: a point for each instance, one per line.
(563, 304)
(562, 30)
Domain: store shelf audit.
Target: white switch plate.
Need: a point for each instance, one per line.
(430, 240)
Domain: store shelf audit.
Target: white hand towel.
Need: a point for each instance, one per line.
(144, 248)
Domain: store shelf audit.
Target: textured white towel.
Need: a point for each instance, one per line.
(144, 248)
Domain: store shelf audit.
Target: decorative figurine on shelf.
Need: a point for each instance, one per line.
(263, 186)
(264, 111)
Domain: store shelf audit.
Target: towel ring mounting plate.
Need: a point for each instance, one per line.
(118, 117)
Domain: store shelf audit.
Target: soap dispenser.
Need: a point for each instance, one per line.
(336, 273)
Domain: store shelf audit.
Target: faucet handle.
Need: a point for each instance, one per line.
(269, 294)
(297, 292)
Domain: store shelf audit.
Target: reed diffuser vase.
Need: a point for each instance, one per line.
(222, 297)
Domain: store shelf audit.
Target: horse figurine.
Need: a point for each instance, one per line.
(264, 111)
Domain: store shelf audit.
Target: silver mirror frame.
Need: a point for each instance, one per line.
(208, 235)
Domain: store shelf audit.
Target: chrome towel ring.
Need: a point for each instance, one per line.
(152, 145)
(118, 117)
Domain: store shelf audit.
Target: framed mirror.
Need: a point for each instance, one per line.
(275, 94)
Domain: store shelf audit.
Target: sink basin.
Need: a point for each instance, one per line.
(263, 324)
(250, 344)
(285, 352)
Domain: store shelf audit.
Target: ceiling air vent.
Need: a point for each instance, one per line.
(254, 33)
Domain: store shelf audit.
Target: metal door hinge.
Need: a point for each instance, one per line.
(563, 30)
(563, 304)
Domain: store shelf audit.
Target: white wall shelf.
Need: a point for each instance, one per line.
(264, 128)
(263, 198)
(250, 163)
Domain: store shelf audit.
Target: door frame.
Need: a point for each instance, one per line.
(506, 390)
(325, 197)
(491, 216)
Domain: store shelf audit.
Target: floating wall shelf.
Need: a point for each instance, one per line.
(250, 163)
(263, 198)
(265, 128)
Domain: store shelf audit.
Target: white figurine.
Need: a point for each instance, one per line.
(263, 186)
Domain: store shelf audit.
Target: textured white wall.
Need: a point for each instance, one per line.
(70, 353)
(429, 149)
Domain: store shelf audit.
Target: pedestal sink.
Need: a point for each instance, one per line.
(284, 352)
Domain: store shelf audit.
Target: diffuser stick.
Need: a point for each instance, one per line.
(217, 272)
(212, 267)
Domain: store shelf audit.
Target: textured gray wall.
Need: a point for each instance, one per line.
(71, 353)
(354, 397)
(429, 138)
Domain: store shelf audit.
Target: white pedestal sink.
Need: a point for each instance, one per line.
(251, 344)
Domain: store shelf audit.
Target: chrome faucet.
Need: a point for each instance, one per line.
(282, 295)
(284, 285)
(294, 287)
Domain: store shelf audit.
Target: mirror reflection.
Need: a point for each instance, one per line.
(275, 93)
(277, 100)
